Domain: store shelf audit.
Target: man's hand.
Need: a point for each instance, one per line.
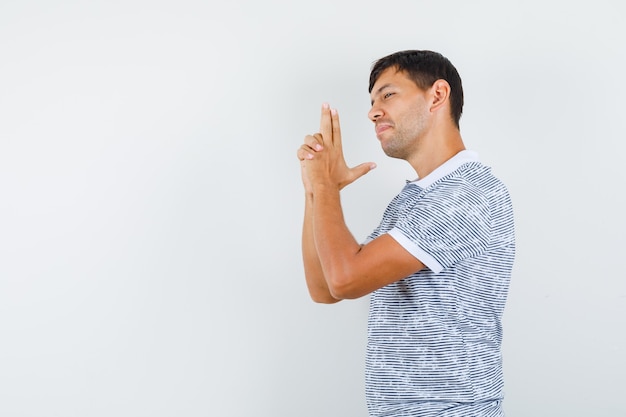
(321, 156)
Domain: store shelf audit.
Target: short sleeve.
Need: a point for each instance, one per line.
(445, 226)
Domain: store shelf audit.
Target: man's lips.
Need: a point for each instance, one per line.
(381, 127)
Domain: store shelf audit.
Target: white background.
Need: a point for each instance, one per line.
(150, 199)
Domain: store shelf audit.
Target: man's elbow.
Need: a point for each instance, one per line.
(343, 288)
(324, 298)
(331, 295)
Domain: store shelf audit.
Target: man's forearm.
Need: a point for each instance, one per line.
(314, 274)
(336, 247)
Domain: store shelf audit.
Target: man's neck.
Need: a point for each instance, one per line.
(435, 151)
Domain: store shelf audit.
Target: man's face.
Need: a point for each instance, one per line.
(400, 113)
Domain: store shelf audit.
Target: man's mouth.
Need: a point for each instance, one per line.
(381, 127)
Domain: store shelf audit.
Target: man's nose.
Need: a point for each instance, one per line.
(374, 113)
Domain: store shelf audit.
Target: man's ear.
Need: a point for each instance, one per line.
(440, 93)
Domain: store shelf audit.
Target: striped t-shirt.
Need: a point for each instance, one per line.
(434, 337)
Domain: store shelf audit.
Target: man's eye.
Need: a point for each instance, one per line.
(387, 95)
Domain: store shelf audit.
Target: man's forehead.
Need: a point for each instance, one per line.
(388, 78)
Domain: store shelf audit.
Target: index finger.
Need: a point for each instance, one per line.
(326, 125)
(336, 136)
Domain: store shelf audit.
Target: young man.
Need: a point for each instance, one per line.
(437, 267)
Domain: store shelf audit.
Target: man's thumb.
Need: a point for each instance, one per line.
(363, 169)
(357, 172)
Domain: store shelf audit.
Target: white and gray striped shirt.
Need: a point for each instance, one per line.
(434, 337)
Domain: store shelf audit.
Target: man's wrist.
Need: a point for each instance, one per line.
(325, 188)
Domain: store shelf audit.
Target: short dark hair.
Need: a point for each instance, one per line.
(424, 68)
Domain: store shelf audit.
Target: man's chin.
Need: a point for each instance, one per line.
(392, 152)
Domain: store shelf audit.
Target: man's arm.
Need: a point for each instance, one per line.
(314, 275)
(352, 270)
(337, 267)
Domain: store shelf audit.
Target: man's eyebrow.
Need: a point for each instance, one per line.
(380, 90)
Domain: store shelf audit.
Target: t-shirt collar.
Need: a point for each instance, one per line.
(447, 167)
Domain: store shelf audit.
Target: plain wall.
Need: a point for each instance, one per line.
(151, 203)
